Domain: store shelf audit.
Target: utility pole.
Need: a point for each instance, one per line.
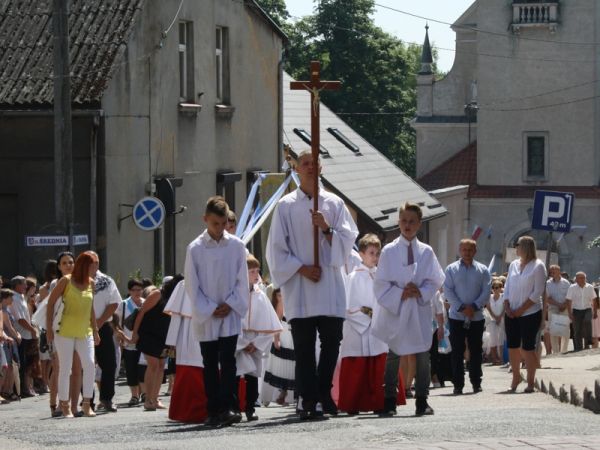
(63, 139)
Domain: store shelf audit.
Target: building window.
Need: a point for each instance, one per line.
(305, 136)
(222, 64)
(186, 63)
(535, 157)
(344, 140)
(226, 186)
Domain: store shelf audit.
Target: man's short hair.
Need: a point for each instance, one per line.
(580, 273)
(5, 293)
(304, 153)
(411, 207)
(468, 241)
(231, 217)
(554, 266)
(16, 281)
(252, 262)
(217, 205)
(367, 240)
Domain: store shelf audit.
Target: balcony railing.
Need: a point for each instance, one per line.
(535, 14)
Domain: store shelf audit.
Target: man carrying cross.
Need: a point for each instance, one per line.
(314, 294)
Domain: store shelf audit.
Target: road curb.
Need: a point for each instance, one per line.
(569, 394)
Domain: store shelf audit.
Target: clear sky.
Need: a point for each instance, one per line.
(407, 28)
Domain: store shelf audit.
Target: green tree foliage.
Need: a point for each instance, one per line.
(378, 96)
(276, 9)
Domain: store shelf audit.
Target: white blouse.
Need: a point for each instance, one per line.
(525, 283)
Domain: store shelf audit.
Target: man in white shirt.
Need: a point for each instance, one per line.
(20, 311)
(556, 300)
(106, 300)
(580, 298)
(315, 298)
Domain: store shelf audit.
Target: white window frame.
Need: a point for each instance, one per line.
(222, 72)
(186, 62)
(535, 134)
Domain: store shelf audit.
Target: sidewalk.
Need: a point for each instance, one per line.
(572, 377)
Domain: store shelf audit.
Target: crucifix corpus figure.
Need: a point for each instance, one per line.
(315, 86)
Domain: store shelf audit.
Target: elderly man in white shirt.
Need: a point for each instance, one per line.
(315, 298)
(580, 299)
(556, 299)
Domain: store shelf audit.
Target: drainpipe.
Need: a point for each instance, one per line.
(280, 109)
(94, 182)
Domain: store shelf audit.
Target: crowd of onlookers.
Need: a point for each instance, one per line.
(78, 364)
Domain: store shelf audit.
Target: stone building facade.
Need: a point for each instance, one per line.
(518, 112)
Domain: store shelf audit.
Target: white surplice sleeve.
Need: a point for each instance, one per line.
(342, 240)
(202, 306)
(359, 292)
(387, 290)
(238, 299)
(283, 264)
(432, 280)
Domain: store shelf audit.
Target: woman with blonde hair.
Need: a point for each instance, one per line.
(77, 330)
(523, 309)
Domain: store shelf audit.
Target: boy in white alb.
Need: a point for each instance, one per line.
(258, 327)
(363, 355)
(216, 280)
(407, 278)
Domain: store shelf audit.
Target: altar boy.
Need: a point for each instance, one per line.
(363, 355)
(406, 280)
(216, 281)
(258, 329)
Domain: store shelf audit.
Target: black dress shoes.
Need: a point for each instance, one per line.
(423, 408)
(228, 418)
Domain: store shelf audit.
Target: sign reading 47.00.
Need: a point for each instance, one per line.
(552, 211)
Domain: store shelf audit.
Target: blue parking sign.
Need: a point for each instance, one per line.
(149, 213)
(552, 211)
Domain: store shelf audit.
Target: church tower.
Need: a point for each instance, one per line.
(425, 80)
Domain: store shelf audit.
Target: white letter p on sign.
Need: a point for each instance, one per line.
(547, 214)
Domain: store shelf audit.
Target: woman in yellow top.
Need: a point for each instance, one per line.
(77, 330)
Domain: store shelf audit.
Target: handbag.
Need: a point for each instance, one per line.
(130, 321)
(559, 325)
(41, 314)
(59, 308)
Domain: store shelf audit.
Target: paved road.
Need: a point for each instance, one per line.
(491, 419)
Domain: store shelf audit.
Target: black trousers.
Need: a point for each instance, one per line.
(582, 328)
(314, 381)
(220, 387)
(107, 360)
(474, 337)
(251, 392)
(134, 371)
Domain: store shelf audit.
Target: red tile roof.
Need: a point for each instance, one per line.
(461, 169)
(456, 170)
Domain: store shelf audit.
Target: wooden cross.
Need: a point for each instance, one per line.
(315, 86)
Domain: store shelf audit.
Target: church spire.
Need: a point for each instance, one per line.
(426, 56)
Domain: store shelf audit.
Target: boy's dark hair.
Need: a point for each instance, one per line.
(252, 262)
(5, 293)
(218, 206)
(367, 240)
(133, 283)
(411, 207)
(146, 282)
